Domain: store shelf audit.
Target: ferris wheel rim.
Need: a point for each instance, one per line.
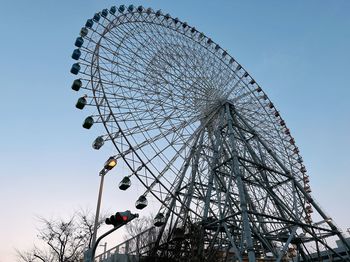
(121, 130)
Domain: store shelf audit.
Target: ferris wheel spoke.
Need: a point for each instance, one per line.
(178, 181)
(153, 139)
(140, 56)
(168, 46)
(107, 60)
(140, 99)
(165, 169)
(278, 134)
(178, 59)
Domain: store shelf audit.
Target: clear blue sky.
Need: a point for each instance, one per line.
(298, 51)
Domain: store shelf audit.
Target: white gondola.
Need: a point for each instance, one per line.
(121, 8)
(307, 188)
(140, 8)
(131, 8)
(159, 220)
(84, 31)
(125, 183)
(308, 219)
(141, 202)
(81, 103)
(309, 209)
(98, 143)
(158, 13)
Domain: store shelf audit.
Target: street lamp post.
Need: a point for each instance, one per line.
(110, 163)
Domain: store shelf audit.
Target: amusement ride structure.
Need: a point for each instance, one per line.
(204, 140)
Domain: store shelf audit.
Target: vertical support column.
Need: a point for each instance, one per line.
(238, 174)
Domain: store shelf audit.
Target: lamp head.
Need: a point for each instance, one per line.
(110, 163)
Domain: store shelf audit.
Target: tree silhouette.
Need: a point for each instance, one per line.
(64, 240)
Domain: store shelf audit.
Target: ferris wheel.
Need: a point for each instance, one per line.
(201, 136)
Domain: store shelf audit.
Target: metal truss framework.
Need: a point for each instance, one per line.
(202, 137)
(247, 212)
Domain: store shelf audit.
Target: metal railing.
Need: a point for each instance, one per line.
(138, 245)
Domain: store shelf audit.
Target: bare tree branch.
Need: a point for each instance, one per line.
(65, 239)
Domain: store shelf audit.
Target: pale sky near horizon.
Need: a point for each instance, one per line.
(298, 51)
